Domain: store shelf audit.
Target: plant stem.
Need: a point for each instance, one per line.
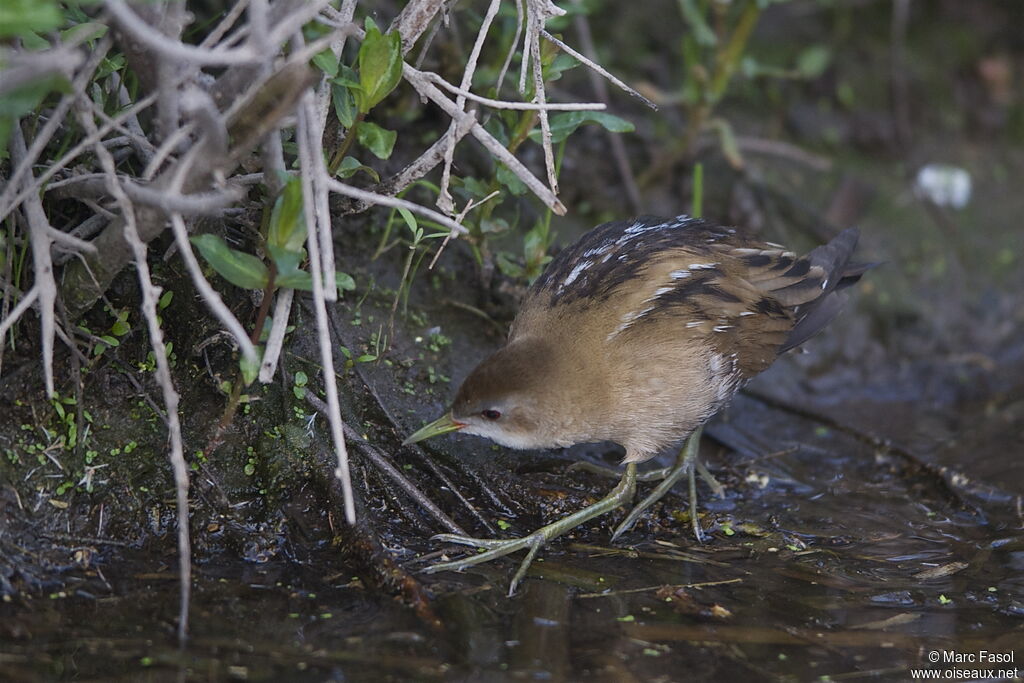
(231, 407)
(698, 190)
(346, 144)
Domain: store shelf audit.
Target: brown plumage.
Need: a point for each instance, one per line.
(642, 330)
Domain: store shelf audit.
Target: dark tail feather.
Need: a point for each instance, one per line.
(834, 260)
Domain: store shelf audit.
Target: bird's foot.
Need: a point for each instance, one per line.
(687, 463)
(495, 548)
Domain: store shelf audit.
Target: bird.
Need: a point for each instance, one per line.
(639, 333)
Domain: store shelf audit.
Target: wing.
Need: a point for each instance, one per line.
(747, 300)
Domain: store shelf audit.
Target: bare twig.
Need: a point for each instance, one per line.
(170, 144)
(150, 297)
(511, 48)
(225, 24)
(383, 200)
(42, 138)
(599, 69)
(444, 197)
(317, 171)
(520, 106)
(340, 17)
(538, 12)
(40, 232)
(308, 149)
(25, 303)
(413, 20)
(209, 294)
(6, 203)
(428, 90)
(275, 340)
(421, 166)
(167, 48)
(470, 205)
(198, 204)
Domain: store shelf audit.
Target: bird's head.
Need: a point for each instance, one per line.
(507, 399)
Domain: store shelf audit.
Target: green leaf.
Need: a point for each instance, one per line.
(350, 166)
(380, 141)
(21, 17)
(286, 262)
(237, 267)
(496, 127)
(165, 300)
(344, 281)
(344, 105)
(84, 32)
(477, 188)
(298, 279)
(110, 341)
(250, 369)
(120, 328)
(510, 180)
(409, 219)
(287, 229)
(380, 66)
(301, 379)
(562, 125)
(326, 62)
(559, 65)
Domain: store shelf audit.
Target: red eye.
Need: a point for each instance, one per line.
(491, 414)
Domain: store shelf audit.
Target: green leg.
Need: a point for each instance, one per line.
(686, 464)
(496, 548)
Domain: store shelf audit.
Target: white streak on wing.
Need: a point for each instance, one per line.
(722, 328)
(679, 274)
(575, 273)
(695, 323)
(702, 266)
(628, 319)
(658, 292)
(639, 228)
(723, 375)
(746, 313)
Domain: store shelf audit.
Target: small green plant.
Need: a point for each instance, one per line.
(299, 385)
(285, 254)
(356, 92)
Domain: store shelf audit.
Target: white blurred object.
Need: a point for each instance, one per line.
(945, 185)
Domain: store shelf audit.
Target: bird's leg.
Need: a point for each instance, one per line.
(686, 464)
(496, 548)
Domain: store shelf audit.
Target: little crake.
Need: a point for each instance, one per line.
(639, 333)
